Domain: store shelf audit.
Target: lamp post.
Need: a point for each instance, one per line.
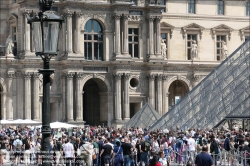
(45, 28)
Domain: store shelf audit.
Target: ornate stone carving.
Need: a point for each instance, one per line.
(70, 75)
(126, 75)
(164, 77)
(196, 77)
(10, 74)
(27, 75)
(134, 18)
(79, 75)
(151, 76)
(117, 75)
(159, 77)
(78, 14)
(18, 74)
(36, 75)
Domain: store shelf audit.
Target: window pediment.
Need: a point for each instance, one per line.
(13, 19)
(192, 28)
(222, 29)
(245, 32)
(167, 28)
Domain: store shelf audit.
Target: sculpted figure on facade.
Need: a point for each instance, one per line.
(9, 46)
(224, 50)
(163, 48)
(194, 50)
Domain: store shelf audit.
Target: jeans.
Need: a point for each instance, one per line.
(166, 153)
(144, 158)
(127, 160)
(95, 161)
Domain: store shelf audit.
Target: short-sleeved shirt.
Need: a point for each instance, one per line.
(107, 150)
(204, 159)
(126, 147)
(118, 150)
(68, 150)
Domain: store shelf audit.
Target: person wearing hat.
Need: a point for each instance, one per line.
(17, 149)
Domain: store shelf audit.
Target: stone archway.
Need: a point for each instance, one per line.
(95, 101)
(177, 90)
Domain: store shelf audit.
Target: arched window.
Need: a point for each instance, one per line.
(93, 40)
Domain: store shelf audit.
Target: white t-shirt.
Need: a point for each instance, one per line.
(68, 150)
(191, 143)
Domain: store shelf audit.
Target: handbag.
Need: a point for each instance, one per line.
(94, 156)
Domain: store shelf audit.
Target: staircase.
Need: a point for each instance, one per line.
(225, 92)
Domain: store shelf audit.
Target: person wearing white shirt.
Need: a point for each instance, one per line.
(68, 150)
(191, 147)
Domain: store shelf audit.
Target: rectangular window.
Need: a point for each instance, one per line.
(220, 5)
(191, 6)
(14, 38)
(219, 44)
(247, 8)
(163, 2)
(133, 42)
(190, 39)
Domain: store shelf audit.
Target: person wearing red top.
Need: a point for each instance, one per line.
(154, 161)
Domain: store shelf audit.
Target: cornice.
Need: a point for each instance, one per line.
(204, 17)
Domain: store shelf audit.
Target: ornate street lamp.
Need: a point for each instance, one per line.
(45, 30)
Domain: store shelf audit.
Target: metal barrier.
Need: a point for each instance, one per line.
(235, 158)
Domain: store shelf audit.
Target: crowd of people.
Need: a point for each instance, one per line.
(104, 146)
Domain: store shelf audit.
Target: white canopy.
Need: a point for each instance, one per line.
(20, 122)
(60, 125)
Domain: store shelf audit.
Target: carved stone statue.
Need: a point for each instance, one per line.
(9, 46)
(224, 50)
(163, 48)
(194, 50)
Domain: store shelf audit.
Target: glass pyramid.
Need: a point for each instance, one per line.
(144, 118)
(225, 92)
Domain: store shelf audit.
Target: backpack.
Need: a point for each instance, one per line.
(147, 146)
(18, 146)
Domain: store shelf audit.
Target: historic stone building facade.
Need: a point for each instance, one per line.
(116, 55)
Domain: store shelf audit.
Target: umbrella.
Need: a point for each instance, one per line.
(26, 121)
(60, 125)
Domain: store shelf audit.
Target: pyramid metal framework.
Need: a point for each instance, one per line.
(225, 92)
(144, 118)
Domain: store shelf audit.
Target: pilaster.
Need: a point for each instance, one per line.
(164, 94)
(69, 15)
(151, 90)
(158, 36)
(9, 113)
(70, 76)
(77, 33)
(159, 94)
(117, 95)
(125, 36)
(36, 107)
(126, 96)
(79, 101)
(27, 96)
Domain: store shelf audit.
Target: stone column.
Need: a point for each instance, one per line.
(110, 108)
(159, 94)
(79, 101)
(167, 102)
(27, 34)
(69, 32)
(3, 105)
(118, 111)
(151, 35)
(9, 106)
(36, 107)
(27, 96)
(70, 117)
(77, 33)
(117, 35)
(164, 96)
(158, 36)
(125, 35)
(19, 93)
(126, 96)
(152, 90)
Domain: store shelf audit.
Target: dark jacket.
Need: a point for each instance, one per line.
(214, 148)
(227, 144)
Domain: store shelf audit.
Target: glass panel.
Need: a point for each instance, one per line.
(136, 39)
(130, 49)
(189, 54)
(85, 50)
(163, 36)
(189, 44)
(223, 38)
(88, 26)
(194, 37)
(95, 26)
(89, 45)
(136, 31)
(130, 30)
(218, 38)
(100, 51)
(218, 45)
(130, 38)
(51, 32)
(96, 51)
(100, 37)
(95, 36)
(189, 37)
(136, 51)
(37, 36)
